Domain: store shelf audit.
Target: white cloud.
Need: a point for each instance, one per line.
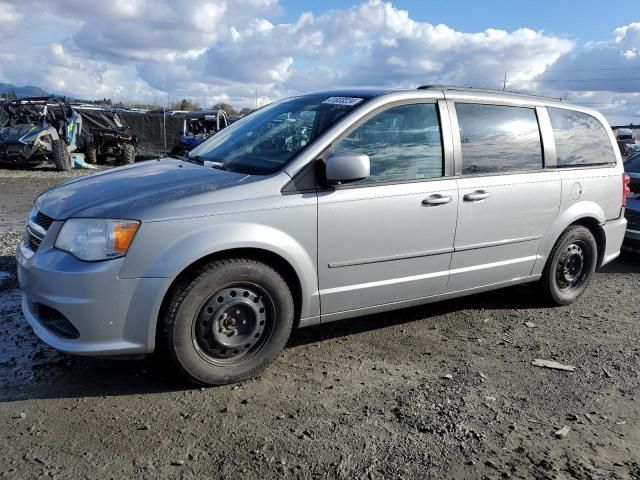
(225, 49)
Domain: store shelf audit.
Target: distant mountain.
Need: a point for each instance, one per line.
(27, 91)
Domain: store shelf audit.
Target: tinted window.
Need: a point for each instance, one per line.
(498, 139)
(403, 143)
(580, 139)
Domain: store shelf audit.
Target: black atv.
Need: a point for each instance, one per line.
(38, 129)
(114, 142)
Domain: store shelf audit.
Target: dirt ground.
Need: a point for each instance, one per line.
(440, 391)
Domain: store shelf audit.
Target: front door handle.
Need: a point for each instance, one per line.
(477, 196)
(437, 199)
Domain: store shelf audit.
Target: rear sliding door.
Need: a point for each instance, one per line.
(507, 200)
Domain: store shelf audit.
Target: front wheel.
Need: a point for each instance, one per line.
(128, 154)
(228, 321)
(92, 154)
(570, 266)
(61, 156)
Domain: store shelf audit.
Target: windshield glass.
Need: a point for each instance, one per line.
(266, 140)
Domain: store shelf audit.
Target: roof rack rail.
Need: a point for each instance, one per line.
(484, 90)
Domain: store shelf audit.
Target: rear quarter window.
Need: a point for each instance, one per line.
(581, 140)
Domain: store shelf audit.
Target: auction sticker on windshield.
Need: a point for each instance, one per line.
(343, 101)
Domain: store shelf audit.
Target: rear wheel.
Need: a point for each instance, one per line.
(229, 321)
(128, 154)
(570, 266)
(61, 156)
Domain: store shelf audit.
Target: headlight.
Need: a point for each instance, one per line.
(94, 239)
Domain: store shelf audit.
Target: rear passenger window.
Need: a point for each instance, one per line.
(498, 139)
(580, 139)
(403, 144)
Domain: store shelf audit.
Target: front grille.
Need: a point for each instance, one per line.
(633, 219)
(33, 242)
(42, 220)
(38, 224)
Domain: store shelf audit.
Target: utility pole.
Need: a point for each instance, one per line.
(504, 83)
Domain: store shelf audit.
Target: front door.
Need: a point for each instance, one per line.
(388, 238)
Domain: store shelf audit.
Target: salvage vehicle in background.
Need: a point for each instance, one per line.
(116, 142)
(34, 130)
(197, 128)
(318, 208)
(632, 210)
(626, 141)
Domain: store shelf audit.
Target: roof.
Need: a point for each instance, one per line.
(453, 88)
(368, 93)
(356, 92)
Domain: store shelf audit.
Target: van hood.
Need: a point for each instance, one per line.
(135, 191)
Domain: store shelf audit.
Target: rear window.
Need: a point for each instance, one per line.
(581, 140)
(498, 139)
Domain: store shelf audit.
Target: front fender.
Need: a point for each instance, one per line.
(165, 249)
(576, 212)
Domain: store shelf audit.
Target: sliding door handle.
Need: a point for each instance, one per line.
(437, 199)
(476, 196)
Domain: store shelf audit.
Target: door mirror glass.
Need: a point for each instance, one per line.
(343, 167)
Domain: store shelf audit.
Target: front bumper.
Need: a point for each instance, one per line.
(15, 153)
(110, 315)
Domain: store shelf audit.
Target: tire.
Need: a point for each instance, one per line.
(60, 156)
(92, 153)
(228, 322)
(570, 266)
(128, 154)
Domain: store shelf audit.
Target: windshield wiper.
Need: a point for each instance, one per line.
(201, 161)
(209, 163)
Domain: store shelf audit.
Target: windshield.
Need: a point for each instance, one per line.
(266, 140)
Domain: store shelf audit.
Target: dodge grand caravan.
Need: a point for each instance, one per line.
(319, 208)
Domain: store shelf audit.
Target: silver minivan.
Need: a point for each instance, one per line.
(318, 208)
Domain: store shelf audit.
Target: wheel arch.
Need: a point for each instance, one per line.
(588, 214)
(595, 227)
(270, 258)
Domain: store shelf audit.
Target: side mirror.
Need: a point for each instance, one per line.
(343, 167)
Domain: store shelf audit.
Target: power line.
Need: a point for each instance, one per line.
(598, 69)
(588, 80)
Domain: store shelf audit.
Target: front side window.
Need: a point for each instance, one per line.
(266, 140)
(498, 139)
(403, 144)
(580, 139)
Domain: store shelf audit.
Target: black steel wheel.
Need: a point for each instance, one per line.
(234, 323)
(570, 265)
(228, 321)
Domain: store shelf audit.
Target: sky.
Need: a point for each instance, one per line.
(254, 51)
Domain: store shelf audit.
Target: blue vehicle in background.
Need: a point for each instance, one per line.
(34, 130)
(198, 127)
(632, 212)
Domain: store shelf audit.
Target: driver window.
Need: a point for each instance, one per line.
(403, 144)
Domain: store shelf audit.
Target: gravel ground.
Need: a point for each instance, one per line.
(440, 391)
